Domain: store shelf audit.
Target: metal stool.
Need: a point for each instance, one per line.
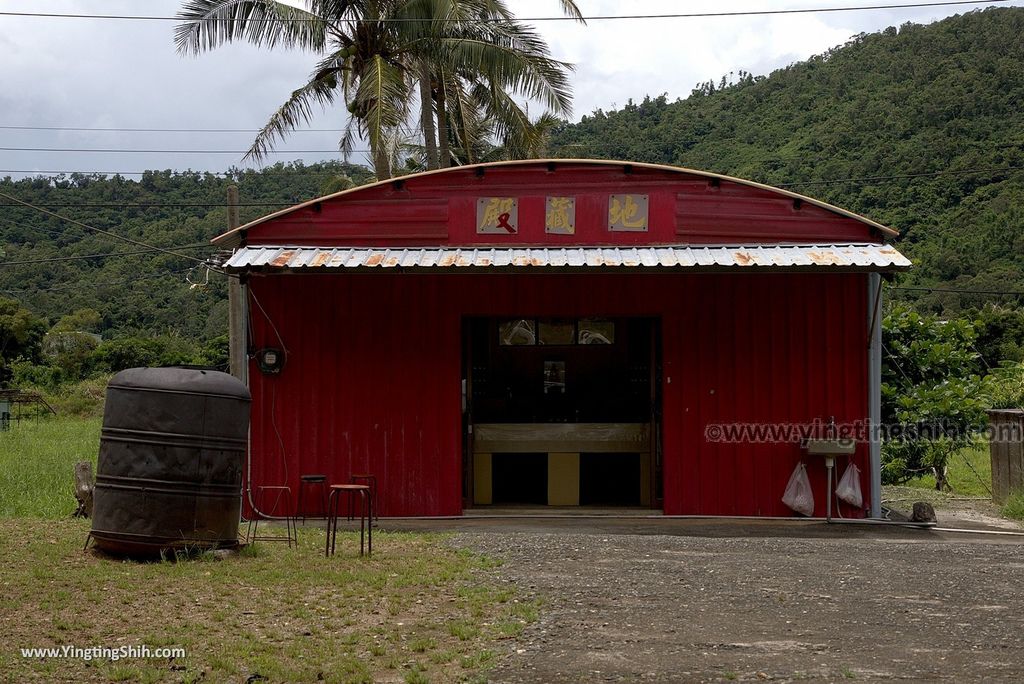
(365, 515)
(282, 499)
(307, 482)
(371, 481)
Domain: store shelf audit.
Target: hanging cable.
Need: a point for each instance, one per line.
(108, 283)
(605, 17)
(107, 255)
(108, 233)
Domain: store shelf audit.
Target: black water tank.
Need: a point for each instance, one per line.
(170, 462)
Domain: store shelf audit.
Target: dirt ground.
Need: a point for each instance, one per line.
(660, 600)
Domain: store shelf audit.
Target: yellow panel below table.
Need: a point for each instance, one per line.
(482, 479)
(563, 479)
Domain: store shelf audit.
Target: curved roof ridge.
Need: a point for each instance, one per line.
(229, 236)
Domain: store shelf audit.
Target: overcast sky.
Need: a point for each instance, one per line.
(126, 74)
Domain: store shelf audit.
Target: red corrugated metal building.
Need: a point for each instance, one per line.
(564, 332)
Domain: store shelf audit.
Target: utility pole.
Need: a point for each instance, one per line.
(236, 303)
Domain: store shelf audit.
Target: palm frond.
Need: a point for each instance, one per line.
(570, 9)
(206, 24)
(515, 57)
(469, 123)
(382, 98)
(322, 89)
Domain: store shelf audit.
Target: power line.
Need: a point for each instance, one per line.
(71, 286)
(137, 243)
(944, 172)
(1012, 293)
(105, 255)
(155, 205)
(606, 17)
(856, 179)
(239, 172)
(124, 150)
(160, 130)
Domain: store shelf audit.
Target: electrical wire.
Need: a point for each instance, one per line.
(137, 243)
(606, 17)
(239, 172)
(129, 151)
(71, 286)
(160, 130)
(273, 327)
(107, 255)
(928, 174)
(1009, 293)
(855, 179)
(155, 205)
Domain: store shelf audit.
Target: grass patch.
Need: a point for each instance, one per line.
(970, 473)
(416, 610)
(284, 614)
(1014, 506)
(463, 630)
(36, 462)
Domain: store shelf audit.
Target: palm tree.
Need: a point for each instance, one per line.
(372, 51)
(487, 51)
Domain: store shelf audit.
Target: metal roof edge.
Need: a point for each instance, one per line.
(829, 256)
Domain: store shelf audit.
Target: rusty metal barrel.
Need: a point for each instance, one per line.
(170, 462)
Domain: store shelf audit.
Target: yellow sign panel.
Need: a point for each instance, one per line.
(560, 216)
(627, 213)
(497, 216)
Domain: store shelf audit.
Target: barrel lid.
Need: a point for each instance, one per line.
(189, 380)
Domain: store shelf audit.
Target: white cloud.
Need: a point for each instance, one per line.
(68, 72)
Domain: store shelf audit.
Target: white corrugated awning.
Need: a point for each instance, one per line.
(873, 257)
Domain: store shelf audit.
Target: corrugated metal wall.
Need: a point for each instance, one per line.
(441, 209)
(372, 380)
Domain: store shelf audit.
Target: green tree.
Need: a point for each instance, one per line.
(372, 51)
(933, 396)
(134, 352)
(21, 336)
(79, 321)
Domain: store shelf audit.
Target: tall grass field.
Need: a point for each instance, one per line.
(37, 459)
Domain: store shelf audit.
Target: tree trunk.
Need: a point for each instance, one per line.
(381, 162)
(427, 115)
(442, 122)
(940, 478)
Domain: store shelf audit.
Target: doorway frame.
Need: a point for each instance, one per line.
(655, 454)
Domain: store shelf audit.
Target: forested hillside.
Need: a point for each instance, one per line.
(933, 102)
(54, 268)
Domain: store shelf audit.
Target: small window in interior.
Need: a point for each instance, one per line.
(516, 333)
(557, 331)
(596, 331)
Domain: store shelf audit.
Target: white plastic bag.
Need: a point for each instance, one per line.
(798, 495)
(848, 488)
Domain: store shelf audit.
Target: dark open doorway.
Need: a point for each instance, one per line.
(562, 411)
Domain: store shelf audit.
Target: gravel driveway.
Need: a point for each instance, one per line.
(653, 603)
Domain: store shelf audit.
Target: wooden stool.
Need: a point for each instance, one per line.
(365, 515)
(371, 481)
(283, 499)
(307, 482)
